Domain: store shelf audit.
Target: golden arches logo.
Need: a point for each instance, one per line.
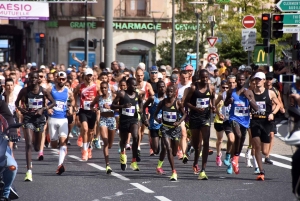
(261, 54)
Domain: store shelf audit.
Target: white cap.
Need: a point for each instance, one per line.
(62, 74)
(88, 71)
(2, 77)
(29, 65)
(160, 76)
(142, 65)
(42, 67)
(260, 75)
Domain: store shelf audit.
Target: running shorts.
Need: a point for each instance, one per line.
(219, 127)
(57, 128)
(70, 119)
(174, 133)
(109, 122)
(243, 129)
(261, 129)
(125, 124)
(88, 116)
(35, 123)
(199, 123)
(227, 127)
(154, 133)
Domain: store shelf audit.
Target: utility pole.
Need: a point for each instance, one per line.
(173, 34)
(108, 50)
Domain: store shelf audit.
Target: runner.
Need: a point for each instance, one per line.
(260, 123)
(87, 90)
(34, 120)
(129, 102)
(58, 122)
(200, 100)
(107, 123)
(170, 129)
(240, 99)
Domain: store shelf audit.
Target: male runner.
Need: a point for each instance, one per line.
(33, 96)
(58, 122)
(130, 103)
(261, 125)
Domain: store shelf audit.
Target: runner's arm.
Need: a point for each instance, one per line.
(158, 108)
(182, 110)
(140, 102)
(146, 104)
(48, 95)
(188, 98)
(228, 99)
(275, 100)
(75, 93)
(250, 96)
(150, 89)
(212, 98)
(115, 103)
(19, 98)
(96, 100)
(71, 98)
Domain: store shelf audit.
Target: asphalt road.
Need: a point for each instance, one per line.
(87, 181)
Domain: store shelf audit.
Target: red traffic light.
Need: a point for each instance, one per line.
(265, 17)
(278, 18)
(42, 35)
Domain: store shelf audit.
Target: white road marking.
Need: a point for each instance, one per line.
(142, 188)
(75, 157)
(142, 143)
(113, 173)
(162, 198)
(281, 157)
(274, 163)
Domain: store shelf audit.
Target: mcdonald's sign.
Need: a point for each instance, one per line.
(260, 56)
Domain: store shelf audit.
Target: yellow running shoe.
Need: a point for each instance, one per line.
(28, 176)
(108, 170)
(123, 161)
(134, 166)
(202, 176)
(174, 176)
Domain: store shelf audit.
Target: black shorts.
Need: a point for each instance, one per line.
(88, 116)
(35, 123)
(70, 119)
(242, 128)
(227, 127)
(261, 129)
(125, 124)
(174, 133)
(219, 127)
(199, 123)
(154, 133)
(274, 127)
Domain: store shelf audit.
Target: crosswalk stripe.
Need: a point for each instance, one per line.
(282, 157)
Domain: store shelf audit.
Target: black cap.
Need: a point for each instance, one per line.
(269, 75)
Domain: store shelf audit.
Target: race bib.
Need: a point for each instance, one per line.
(170, 116)
(128, 111)
(241, 111)
(202, 102)
(261, 106)
(35, 103)
(59, 106)
(86, 105)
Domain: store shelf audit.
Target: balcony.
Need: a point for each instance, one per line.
(133, 8)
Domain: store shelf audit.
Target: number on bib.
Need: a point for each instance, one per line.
(86, 105)
(170, 116)
(128, 111)
(60, 105)
(241, 111)
(202, 102)
(35, 103)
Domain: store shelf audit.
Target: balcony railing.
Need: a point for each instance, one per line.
(133, 8)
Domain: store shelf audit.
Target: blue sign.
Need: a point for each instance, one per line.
(80, 56)
(190, 60)
(37, 37)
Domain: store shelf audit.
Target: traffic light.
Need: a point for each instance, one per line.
(42, 40)
(266, 26)
(277, 26)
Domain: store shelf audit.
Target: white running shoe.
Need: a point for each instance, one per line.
(248, 163)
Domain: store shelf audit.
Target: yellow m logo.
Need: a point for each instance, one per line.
(261, 54)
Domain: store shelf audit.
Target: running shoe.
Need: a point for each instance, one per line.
(41, 156)
(202, 176)
(235, 164)
(218, 161)
(134, 166)
(96, 143)
(226, 161)
(190, 150)
(128, 147)
(85, 155)
(261, 176)
(90, 153)
(196, 169)
(60, 169)
(229, 169)
(268, 161)
(248, 163)
(185, 159)
(174, 176)
(248, 153)
(210, 152)
(71, 135)
(160, 171)
(179, 155)
(151, 152)
(79, 141)
(108, 170)
(138, 157)
(28, 176)
(123, 161)
(256, 171)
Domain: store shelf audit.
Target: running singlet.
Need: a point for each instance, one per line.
(169, 114)
(61, 98)
(131, 112)
(180, 90)
(87, 95)
(154, 124)
(264, 104)
(239, 110)
(225, 109)
(33, 102)
(105, 101)
(200, 100)
(154, 86)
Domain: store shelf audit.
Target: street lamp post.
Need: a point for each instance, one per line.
(155, 33)
(197, 16)
(173, 35)
(86, 34)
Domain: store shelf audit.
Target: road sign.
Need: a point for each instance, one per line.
(212, 40)
(212, 50)
(248, 37)
(249, 48)
(291, 29)
(288, 5)
(248, 21)
(291, 19)
(214, 56)
(260, 56)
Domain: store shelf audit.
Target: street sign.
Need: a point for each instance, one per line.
(248, 48)
(260, 56)
(212, 40)
(288, 5)
(291, 19)
(214, 56)
(248, 37)
(291, 29)
(248, 21)
(212, 50)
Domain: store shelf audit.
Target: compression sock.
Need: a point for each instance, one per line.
(62, 154)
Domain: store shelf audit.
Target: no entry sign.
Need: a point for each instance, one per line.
(248, 21)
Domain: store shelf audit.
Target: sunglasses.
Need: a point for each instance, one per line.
(269, 78)
(225, 87)
(173, 81)
(41, 76)
(153, 72)
(126, 75)
(62, 79)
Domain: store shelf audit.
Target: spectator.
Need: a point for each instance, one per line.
(146, 74)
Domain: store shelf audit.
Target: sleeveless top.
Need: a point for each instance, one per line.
(87, 95)
(33, 102)
(264, 104)
(169, 114)
(61, 98)
(200, 100)
(129, 113)
(239, 110)
(154, 124)
(102, 101)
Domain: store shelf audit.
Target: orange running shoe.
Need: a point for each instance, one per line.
(84, 155)
(196, 169)
(79, 141)
(261, 177)
(90, 153)
(235, 164)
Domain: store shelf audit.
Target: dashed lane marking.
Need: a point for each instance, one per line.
(113, 173)
(162, 198)
(274, 163)
(142, 188)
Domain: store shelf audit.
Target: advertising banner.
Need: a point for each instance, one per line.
(22, 10)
